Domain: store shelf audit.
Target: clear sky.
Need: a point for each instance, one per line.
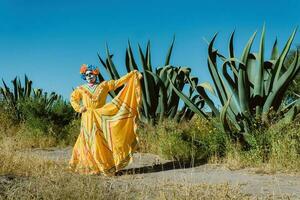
(49, 40)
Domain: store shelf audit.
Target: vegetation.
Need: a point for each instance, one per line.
(34, 113)
(196, 140)
(255, 87)
(274, 149)
(293, 91)
(162, 87)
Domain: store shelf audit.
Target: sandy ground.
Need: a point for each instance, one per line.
(150, 169)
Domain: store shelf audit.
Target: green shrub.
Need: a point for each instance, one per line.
(188, 141)
(36, 112)
(274, 148)
(285, 146)
(50, 121)
(6, 122)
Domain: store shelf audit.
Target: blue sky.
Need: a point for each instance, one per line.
(49, 40)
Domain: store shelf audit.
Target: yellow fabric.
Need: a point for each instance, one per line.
(107, 136)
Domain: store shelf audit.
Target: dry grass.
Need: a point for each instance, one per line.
(277, 149)
(23, 176)
(68, 186)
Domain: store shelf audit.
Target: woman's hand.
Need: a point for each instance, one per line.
(139, 73)
(82, 109)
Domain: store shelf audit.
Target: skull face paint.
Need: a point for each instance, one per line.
(90, 77)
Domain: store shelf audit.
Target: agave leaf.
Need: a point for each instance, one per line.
(220, 88)
(251, 71)
(142, 57)
(275, 54)
(162, 100)
(223, 113)
(268, 75)
(148, 57)
(247, 48)
(106, 66)
(148, 83)
(150, 91)
(111, 65)
(194, 81)
(3, 93)
(188, 113)
(259, 82)
(231, 55)
(168, 57)
(292, 111)
(229, 90)
(127, 62)
(16, 94)
(209, 102)
(173, 98)
(180, 115)
(101, 78)
(132, 63)
(101, 61)
(283, 55)
(243, 82)
(275, 98)
(228, 78)
(163, 74)
(187, 101)
(28, 87)
(20, 89)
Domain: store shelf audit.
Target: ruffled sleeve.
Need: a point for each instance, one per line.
(75, 99)
(114, 84)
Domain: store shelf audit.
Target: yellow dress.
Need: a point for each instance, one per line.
(107, 136)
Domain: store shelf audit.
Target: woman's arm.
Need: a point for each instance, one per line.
(114, 84)
(75, 100)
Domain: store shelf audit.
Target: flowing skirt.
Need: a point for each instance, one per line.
(107, 137)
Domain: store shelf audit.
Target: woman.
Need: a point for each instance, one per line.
(107, 136)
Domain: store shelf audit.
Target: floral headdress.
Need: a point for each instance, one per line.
(84, 68)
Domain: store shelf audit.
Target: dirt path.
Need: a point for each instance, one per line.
(149, 169)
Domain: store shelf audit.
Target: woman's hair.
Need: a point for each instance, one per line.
(86, 67)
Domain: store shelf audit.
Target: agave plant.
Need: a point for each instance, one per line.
(18, 93)
(14, 97)
(162, 87)
(254, 86)
(294, 89)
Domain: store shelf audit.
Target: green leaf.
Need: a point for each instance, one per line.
(168, 57)
(223, 113)
(279, 63)
(132, 63)
(148, 57)
(259, 81)
(111, 65)
(275, 54)
(187, 101)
